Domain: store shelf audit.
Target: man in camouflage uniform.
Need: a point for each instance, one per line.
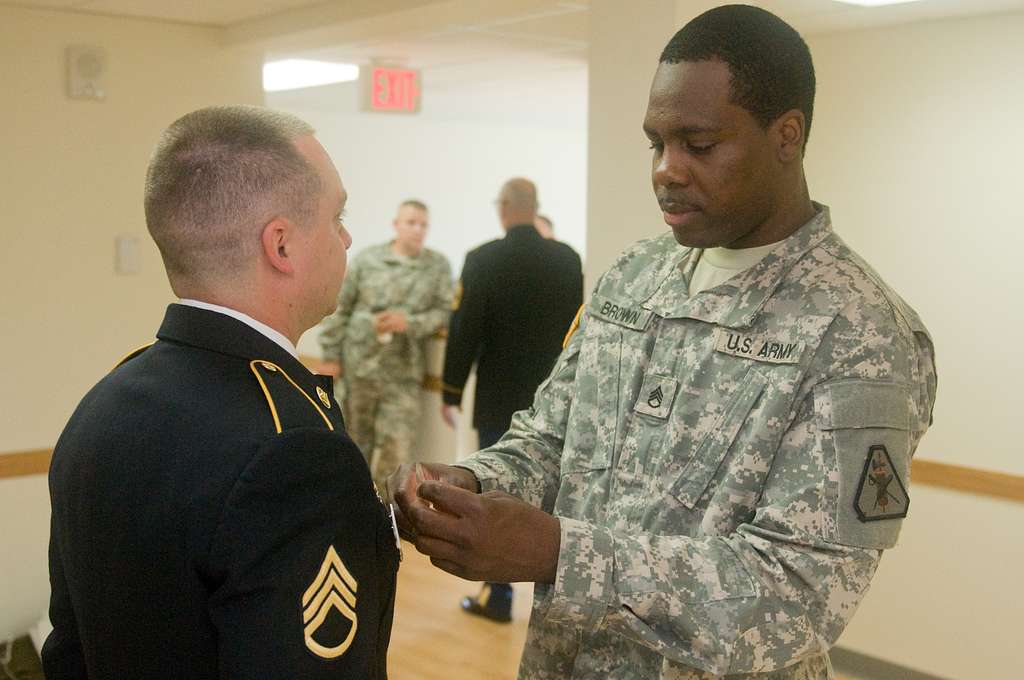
(697, 489)
(396, 296)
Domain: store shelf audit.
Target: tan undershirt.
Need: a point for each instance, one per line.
(718, 265)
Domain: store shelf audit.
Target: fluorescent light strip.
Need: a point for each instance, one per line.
(875, 3)
(292, 74)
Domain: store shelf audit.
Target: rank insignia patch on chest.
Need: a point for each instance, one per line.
(656, 396)
(329, 609)
(880, 493)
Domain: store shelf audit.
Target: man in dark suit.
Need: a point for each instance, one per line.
(516, 298)
(211, 518)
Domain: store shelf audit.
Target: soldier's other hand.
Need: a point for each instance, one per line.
(449, 414)
(470, 535)
(402, 487)
(390, 321)
(399, 321)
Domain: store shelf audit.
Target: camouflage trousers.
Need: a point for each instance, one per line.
(382, 418)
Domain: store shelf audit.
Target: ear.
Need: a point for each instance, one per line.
(789, 133)
(279, 244)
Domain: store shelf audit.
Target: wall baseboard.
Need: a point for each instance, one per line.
(863, 667)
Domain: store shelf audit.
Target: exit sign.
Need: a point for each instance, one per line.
(393, 89)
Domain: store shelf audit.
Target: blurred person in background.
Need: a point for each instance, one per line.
(515, 301)
(395, 297)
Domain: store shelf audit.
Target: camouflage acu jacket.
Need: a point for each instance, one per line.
(379, 280)
(727, 468)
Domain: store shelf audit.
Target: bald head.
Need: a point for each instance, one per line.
(517, 202)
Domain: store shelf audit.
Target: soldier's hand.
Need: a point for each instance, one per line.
(402, 488)
(398, 321)
(449, 414)
(485, 537)
(391, 321)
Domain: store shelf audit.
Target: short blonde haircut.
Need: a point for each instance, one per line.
(217, 176)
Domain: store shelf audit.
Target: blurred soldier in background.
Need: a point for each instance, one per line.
(396, 296)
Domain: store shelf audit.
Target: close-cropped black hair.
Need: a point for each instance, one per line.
(770, 63)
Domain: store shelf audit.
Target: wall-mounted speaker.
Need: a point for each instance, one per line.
(87, 68)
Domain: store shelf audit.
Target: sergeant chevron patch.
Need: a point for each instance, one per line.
(656, 395)
(333, 588)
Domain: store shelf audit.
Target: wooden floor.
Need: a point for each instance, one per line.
(433, 639)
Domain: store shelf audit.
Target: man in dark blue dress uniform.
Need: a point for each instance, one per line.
(515, 300)
(211, 518)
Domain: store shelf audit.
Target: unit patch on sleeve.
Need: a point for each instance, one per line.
(333, 589)
(758, 348)
(880, 493)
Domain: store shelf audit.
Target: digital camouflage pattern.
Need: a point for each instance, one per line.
(381, 381)
(703, 455)
(379, 280)
(383, 419)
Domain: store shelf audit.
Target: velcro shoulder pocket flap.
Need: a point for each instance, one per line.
(867, 426)
(855, 404)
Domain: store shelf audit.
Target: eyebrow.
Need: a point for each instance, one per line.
(684, 131)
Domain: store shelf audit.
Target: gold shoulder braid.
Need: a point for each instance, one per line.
(134, 353)
(264, 370)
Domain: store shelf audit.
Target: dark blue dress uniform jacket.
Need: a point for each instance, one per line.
(211, 519)
(517, 298)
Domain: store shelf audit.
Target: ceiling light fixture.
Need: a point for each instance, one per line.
(292, 74)
(875, 3)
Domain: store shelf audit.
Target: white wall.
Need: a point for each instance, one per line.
(455, 155)
(916, 145)
(70, 180)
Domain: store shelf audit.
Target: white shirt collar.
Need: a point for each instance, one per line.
(258, 326)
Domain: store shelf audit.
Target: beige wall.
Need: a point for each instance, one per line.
(71, 180)
(625, 42)
(916, 145)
